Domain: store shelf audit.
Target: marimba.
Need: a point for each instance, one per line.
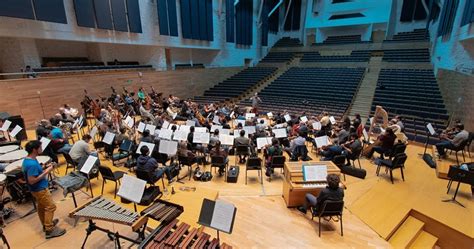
(174, 235)
(163, 211)
(100, 208)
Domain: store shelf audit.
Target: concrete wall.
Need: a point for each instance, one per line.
(406, 26)
(457, 90)
(147, 47)
(455, 51)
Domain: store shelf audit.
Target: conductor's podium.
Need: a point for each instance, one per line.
(294, 185)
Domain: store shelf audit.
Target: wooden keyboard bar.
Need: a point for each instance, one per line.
(189, 238)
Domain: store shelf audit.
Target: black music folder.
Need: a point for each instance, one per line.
(219, 215)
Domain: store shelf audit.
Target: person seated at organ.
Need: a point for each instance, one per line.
(149, 164)
(448, 143)
(384, 143)
(332, 192)
(218, 151)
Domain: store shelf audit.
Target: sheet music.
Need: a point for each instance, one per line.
(322, 141)
(44, 142)
(279, 133)
(262, 141)
(249, 115)
(150, 146)
(157, 133)
(237, 134)
(108, 138)
(129, 122)
(279, 126)
(15, 131)
(168, 147)
(223, 216)
(74, 125)
(132, 188)
(232, 114)
(150, 128)
(201, 137)
(287, 117)
(431, 129)
(270, 115)
(317, 125)
(165, 124)
(215, 120)
(81, 121)
(249, 129)
(226, 139)
(180, 135)
(86, 168)
(224, 131)
(141, 127)
(237, 121)
(165, 134)
(190, 123)
(94, 131)
(174, 115)
(371, 120)
(200, 129)
(186, 128)
(332, 119)
(6, 125)
(366, 136)
(216, 127)
(304, 119)
(315, 173)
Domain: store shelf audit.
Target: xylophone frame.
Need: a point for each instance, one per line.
(115, 236)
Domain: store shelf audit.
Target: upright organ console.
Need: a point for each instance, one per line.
(295, 187)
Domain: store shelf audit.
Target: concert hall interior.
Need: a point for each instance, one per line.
(236, 124)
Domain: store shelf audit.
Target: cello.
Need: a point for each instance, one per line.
(94, 106)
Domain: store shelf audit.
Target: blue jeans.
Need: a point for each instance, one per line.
(331, 152)
(65, 149)
(442, 146)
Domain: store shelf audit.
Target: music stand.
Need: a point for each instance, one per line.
(459, 175)
(219, 215)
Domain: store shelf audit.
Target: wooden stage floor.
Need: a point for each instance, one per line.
(373, 206)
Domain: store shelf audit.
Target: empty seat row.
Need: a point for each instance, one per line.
(355, 56)
(288, 42)
(407, 55)
(240, 82)
(277, 57)
(415, 35)
(345, 39)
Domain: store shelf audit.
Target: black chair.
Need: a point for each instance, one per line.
(254, 163)
(355, 155)
(460, 148)
(397, 162)
(277, 162)
(329, 209)
(219, 162)
(108, 174)
(149, 177)
(398, 148)
(340, 162)
(459, 175)
(469, 142)
(241, 150)
(186, 161)
(124, 151)
(70, 164)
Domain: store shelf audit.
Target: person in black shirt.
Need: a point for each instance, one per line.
(149, 164)
(332, 192)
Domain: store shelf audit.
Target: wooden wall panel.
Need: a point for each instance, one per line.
(21, 96)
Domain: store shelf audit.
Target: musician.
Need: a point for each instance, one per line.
(122, 136)
(64, 117)
(149, 164)
(386, 142)
(242, 141)
(146, 137)
(380, 113)
(351, 147)
(448, 143)
(81, 149)
(59, 142)
(274, 150)
(400, 123)
(218, 152)
(356, 121)
(255, 102)
(141, 94)
(36, 179)
(332, 192)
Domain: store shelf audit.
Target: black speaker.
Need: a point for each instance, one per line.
(18, 120)
(233, 174)
(355, 172)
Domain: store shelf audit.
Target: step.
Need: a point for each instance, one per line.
(406, 233)
(424, 240)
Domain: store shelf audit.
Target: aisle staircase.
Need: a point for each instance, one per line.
(365, 94)
(411, 235)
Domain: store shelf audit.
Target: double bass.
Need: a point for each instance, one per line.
(94, 106)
